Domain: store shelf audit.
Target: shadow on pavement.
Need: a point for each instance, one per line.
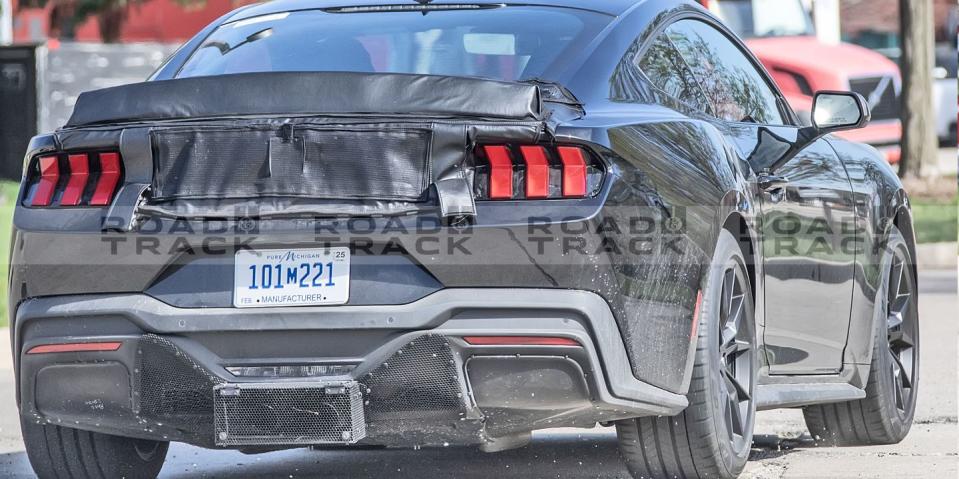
(592, 454)
(568, 455)
(771, 446)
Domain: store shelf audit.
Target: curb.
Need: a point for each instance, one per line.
(936, 255)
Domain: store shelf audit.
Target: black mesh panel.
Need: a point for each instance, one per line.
(419, 380)
(171, 388)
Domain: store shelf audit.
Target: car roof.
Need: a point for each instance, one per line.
(608, 7)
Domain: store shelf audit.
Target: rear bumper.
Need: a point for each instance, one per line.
(421, 382)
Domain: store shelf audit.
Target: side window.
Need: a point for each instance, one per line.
(665, 68)
(736, 90)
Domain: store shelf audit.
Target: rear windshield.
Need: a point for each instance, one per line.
(505, 43)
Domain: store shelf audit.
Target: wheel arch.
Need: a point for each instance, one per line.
(736, 224)
(900, 217)
(902, 220)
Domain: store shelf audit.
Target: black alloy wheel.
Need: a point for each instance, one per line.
(885, 415)
(737, 350)
(902, 330)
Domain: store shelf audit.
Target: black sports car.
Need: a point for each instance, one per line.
(445, 222)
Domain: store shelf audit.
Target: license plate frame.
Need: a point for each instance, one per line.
(291, 277)
(297, 413)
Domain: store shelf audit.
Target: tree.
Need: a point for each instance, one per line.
(917, 62)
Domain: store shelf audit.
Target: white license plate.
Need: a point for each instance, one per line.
(291, 277)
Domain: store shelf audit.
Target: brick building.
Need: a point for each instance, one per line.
(879, 20)
(150, 21)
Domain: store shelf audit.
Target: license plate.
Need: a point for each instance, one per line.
(291, 277)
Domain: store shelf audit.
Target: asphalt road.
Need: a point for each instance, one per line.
(782, 448)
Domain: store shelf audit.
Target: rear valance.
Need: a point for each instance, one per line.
(309, 93)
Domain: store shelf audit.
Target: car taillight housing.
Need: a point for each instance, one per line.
(73, 179)
(535, 172)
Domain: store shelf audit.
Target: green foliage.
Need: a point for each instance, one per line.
(8, 197)
(936, 221)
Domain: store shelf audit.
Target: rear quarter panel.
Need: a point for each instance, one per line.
(674, 183)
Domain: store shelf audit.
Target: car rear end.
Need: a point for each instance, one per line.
(272, 260)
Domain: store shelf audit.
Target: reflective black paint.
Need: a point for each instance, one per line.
(814, 308)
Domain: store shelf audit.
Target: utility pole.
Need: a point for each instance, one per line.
(919, 154)
(826, 17)
(6, 22)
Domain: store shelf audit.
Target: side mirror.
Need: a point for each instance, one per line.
(838, 111)
(832, 111)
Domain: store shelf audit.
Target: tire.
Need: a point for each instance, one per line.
(58, 452)
(705, 440)
(885, 415)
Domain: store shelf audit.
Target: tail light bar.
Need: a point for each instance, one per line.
(75, 348)
(77, 182)
(531, 172)
(574, 170)
(73, 179)
(520, 341)
(500, 171)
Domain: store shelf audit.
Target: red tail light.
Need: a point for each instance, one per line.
(49, 167)
(75, 348)
(68, 177)
(79, 172)
(109, 177)
(574, 171)
(541, 172)
(500, 172)
(519, 341)
(537, 171)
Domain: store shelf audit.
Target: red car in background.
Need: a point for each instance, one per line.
(781, 34)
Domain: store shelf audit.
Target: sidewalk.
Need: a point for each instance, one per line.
(948, 162)
(937, 256)
(9, 420)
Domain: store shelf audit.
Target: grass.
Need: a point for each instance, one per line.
(8, 195)
(936, 221)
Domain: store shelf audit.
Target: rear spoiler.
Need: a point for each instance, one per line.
(309, 93)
